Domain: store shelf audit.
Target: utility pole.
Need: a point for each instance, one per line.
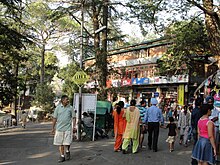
(81, 67)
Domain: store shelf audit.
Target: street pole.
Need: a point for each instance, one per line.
(81, 67)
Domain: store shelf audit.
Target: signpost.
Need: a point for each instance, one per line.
(80, 77)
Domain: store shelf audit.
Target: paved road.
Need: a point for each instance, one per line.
(33, 146)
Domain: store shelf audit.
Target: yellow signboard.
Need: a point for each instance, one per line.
(181, 95)
(80, 77)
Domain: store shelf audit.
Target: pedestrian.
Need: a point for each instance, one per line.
(114, 101)
(190, 134)
(166, 110)
(195, 116)
(183, 125)
(23, 119)
(204, 150)
(132, 130)
(170, 112)
(88, 121)
(143, 130)
(64, 123)
(215, 118)
(119, 125)
(179, 108)
(172, 134)
(153, 119)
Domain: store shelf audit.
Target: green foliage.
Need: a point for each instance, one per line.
(44, 97)
(66, 74)
(190, 41)
(12, 47)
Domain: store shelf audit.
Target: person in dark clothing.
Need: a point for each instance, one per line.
(195, 116)
(172, 134)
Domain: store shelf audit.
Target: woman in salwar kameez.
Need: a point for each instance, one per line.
(132, 130)
(119, 125)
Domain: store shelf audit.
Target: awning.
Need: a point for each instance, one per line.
(203, 83)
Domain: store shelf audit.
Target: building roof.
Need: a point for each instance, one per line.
(136, 47)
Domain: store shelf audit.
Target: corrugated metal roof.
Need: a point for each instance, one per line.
(136, 47)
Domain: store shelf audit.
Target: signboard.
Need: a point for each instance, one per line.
(80, 77)
(140, 81)
(125, 82)
(89, 102)
(181, 95)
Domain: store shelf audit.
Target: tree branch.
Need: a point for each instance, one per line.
(209, 12)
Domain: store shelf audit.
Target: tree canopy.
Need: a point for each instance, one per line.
(31, 32)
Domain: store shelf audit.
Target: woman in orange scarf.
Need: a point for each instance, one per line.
(119, 125)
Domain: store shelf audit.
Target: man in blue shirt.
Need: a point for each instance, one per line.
(153, 119)
(63, 126)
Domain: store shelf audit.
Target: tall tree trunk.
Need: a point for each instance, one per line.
(212, 24)
(95, 21)
(104, 63)
(42, 75)
(14, 104)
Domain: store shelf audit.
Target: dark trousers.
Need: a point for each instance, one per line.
(153, 132)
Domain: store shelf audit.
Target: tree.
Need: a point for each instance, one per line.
(46, 103)
(66, 74)
(95, 41)
(47, 28)
(13, 42)
(149, 13)
(190, 43)
(29, 73)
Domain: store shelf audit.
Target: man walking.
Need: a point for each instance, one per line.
(142, 108)
(195, 116)
(64, 118)
(23, 119)
(153, 119)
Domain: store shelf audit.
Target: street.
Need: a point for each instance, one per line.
(34, 146)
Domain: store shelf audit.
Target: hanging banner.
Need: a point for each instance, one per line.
(181, 95)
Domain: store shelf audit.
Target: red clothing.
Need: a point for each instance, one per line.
(119, 122)
(119, 128)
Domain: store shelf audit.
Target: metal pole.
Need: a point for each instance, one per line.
(81, 67)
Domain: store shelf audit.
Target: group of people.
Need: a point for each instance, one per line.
(205, 126)
(201, 122)
(131, 123)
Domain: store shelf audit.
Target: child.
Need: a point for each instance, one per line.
(170, 112)
(172, 134)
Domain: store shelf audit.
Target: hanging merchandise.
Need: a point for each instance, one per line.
(217, 79)
(211, 83)
(217, 99)
(217, 96)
